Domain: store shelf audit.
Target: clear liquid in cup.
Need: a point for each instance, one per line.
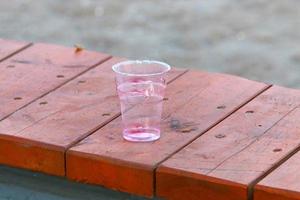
(141, 106)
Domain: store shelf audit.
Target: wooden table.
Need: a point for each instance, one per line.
(223, 137)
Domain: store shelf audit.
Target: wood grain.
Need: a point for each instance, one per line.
(37, 135)
(224, 162)
(195, 102)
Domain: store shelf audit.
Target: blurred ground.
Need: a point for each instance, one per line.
(257, 39)
(16, 184)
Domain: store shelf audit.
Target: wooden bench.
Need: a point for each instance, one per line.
(223, 137)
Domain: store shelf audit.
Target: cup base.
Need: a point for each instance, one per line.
(141, 134)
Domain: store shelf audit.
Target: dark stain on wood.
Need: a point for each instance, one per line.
(186, 127)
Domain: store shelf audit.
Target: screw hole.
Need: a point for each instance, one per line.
(10, 66)
(165, 99)
(219, 136)
(277, 150)
(249, 111)
(260, 125)
(60, 76)
(43, 103)
(221, 107)
(17, 98)
(81, 81)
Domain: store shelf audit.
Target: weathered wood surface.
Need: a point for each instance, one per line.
(228, 159)
(37, 136)
(284, 182)
(26, 77)
(38, 70)
(105, 158)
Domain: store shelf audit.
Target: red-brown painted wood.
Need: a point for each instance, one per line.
(9, 47)
(195, 102)
(225, 161)
(38, 70)
(37, 136)
(284, 182)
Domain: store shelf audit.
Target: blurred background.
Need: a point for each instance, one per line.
(256, 39)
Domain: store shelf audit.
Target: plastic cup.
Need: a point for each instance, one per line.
(141, 87)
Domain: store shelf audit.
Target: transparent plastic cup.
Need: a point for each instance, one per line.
(141, 86)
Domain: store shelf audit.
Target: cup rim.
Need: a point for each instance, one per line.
(127, 62)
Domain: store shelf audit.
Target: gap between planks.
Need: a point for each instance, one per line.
(104, 124)
(208, 129)
(276, 165)
(57, 87)
(17, 51)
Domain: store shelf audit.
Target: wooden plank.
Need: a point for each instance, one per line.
(105, 158)
(39, 69)
(284, 182)
(9, 48)
(37, 136)
(228, 159)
